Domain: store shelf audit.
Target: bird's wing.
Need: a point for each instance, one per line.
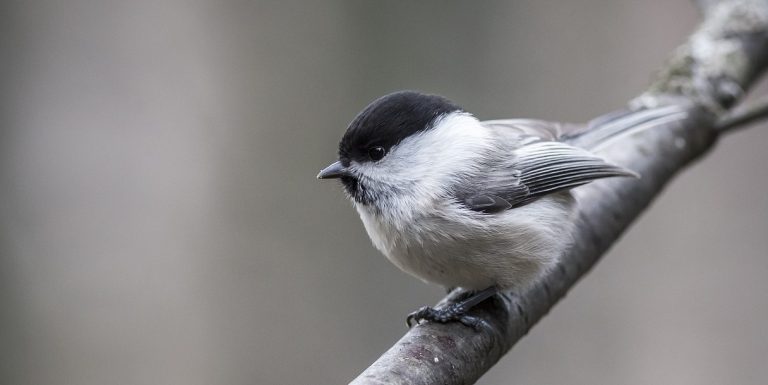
(539, 168)
(555, 156)
(597, 132)
(547, 167)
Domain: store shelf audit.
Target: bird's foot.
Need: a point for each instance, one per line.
(450, 313)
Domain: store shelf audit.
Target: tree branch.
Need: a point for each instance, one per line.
(707, 75)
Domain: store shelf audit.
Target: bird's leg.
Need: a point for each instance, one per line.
(457, 294)
(455, 311)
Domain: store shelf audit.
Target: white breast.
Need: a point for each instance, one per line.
(455, 247)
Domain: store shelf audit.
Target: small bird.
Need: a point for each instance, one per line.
(483, 206)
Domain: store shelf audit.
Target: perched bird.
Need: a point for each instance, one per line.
(479, 205)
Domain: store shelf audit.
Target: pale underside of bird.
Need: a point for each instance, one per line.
(478, 205)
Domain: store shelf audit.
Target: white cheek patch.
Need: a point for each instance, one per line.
(426, 164)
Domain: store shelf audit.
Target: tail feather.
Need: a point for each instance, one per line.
(609, 127)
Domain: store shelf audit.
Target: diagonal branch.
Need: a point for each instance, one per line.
(707, 75)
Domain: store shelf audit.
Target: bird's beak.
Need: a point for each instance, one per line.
(335, 170)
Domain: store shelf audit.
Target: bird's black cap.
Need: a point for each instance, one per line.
(390, 119)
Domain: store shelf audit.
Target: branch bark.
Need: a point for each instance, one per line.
(707, 75)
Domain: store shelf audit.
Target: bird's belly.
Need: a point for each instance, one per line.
(448, 263)
(512, 258)
(508, 250)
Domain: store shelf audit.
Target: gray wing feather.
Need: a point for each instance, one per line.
(541, 168)
(487, 203)
(547, 167)
(552, 156)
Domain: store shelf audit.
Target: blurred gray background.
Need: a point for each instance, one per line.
(160, 222)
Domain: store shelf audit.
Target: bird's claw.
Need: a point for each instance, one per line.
(450, 313)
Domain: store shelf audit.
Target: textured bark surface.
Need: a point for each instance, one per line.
(708, 75)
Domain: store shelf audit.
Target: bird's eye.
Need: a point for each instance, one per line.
(377, 152)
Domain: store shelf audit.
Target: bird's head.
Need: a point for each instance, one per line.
(404, 144)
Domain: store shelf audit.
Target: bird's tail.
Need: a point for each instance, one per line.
(609, 127)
